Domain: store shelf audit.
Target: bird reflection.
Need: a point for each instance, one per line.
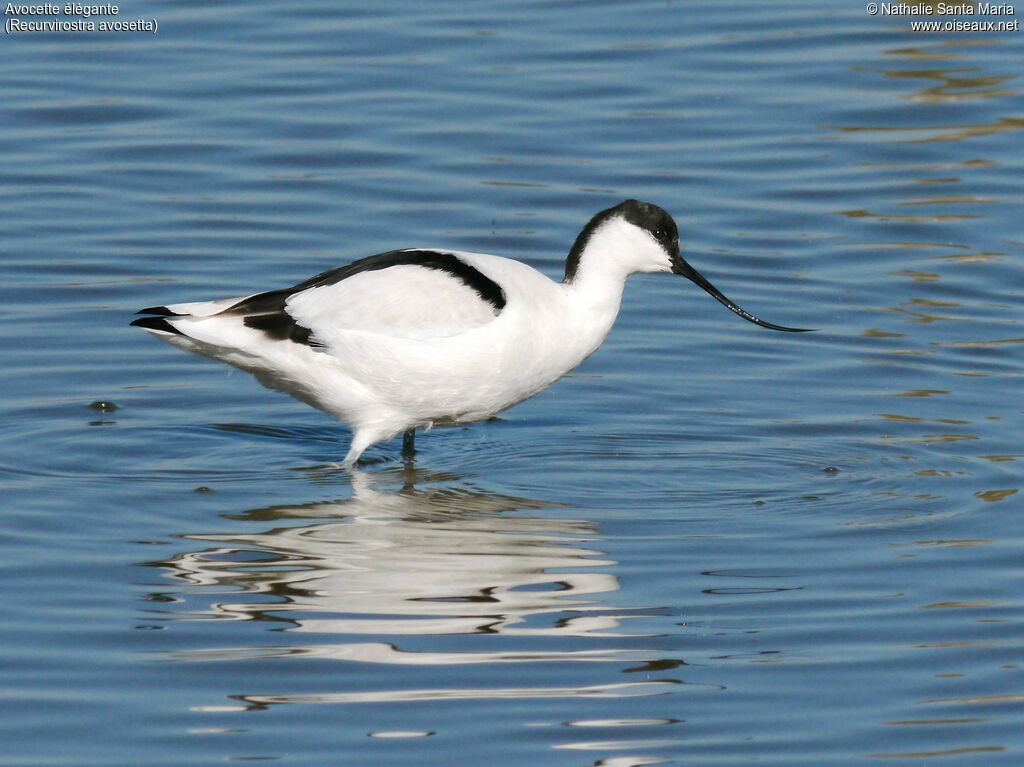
(446, 560)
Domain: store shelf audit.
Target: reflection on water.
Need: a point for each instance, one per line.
(622, 690)
(939, 337)
(951, 84)
(448, 561)
(444, 561)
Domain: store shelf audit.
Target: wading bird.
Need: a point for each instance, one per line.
(412, 339)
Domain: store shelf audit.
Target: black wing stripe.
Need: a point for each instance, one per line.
(267, 312)
(281, 326)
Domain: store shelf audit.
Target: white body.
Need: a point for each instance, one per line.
(408, 347)
(414, 339)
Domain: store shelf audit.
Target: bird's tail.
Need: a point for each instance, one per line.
(156, 320)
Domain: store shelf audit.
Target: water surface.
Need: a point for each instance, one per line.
(712, 544)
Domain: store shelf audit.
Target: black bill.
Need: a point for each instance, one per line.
(679, 266)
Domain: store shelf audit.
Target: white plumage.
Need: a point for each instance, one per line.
(420, 338)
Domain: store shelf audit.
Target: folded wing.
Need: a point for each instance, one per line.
(401, 294)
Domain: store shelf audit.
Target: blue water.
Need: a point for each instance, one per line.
(712, 544)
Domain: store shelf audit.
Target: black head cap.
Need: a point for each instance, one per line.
(645, 215)
(655, 220)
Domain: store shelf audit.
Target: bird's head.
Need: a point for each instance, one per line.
(636, 236)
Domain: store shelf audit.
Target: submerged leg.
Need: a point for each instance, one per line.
(351, 457)
(361, 440)
(408, 444)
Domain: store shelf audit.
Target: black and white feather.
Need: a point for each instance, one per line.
(416, 338)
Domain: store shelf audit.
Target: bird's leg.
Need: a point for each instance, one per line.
(408, 444)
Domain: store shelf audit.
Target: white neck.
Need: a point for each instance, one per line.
(612, 252)
(594, 295)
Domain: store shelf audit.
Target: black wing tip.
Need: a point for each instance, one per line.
(161, 311)
(156, 323)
